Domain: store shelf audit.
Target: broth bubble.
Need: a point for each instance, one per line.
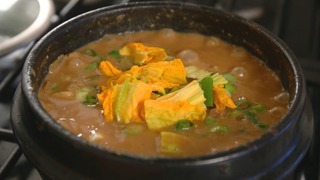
(167, 32)
(238, 52)
(282, 98)
(188, 56)
(213, 41)
(239, 72)
(278, 111)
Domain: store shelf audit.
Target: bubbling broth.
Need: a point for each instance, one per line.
(163, 94)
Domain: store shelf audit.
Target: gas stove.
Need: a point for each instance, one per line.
(296, 22)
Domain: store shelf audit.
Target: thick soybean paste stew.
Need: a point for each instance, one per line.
(163, 94)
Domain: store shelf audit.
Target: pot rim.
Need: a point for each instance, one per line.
(285, 122)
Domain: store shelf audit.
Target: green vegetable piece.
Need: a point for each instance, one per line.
(243, 103)
(133, 129)
(90, 101)
(172, 143)
(252, 117)
(184, 125)
(210, 120)
(94, 78)
(83, 93)
(258, 108)
(90, 52)
(94, 54)
(229, 77)
(220, 129)
(92, 66)
(236, 114)
(206, 85)
(230, 88)
(169, 58)
(115, 54)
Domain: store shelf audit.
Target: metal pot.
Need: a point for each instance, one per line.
(58, 154)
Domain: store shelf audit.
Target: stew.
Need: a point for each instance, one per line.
(163, 94)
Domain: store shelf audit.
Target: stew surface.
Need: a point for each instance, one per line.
(70, 94)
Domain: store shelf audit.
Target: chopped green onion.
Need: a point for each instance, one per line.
(115, 54)
(230, 88)
(258, 108)
(243, 103)
(133, 129)
(83, 93)
(229, 77)
(174, 89)
(90, 52)
(93, 78)
(92, 66)
(169, 58)
(251, 117)
(171, 149)
(236, 114)
(210, 120)
(220, 129)
(206, 85)
(90, 100)
(94, 54)
(184, 125)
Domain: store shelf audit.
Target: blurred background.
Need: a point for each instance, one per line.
(23, 22)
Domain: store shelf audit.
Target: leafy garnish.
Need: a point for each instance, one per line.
(206, 85)
(90, 52)
(115, 54)
(184, 125)
(230, 77)
(253, 118)
(133, 129)
(90, 101)
(210, 120)
(220, 129)
(248, 110)
(172, 143)
(83, 93)
(92, 66)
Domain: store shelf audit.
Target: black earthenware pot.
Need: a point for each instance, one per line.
(58, 154)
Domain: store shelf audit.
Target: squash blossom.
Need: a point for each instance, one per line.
(144, 93)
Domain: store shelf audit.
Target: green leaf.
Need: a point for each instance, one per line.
(92, 66)
(90, 52)
(258, 108)
(133, 129)
(230, 88)
(90, 100)
(220, 129)
(115, 54)
(82, 93)
(184, 125)
(229, 77)
(206, 85)
(243, 103)
(210, 120)
(94, 54)
(254, 119)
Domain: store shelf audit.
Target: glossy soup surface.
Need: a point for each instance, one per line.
(59, 95)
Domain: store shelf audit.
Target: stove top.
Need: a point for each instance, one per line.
(297, 22)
